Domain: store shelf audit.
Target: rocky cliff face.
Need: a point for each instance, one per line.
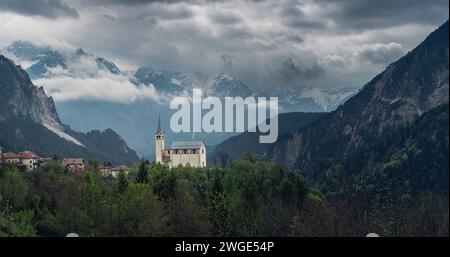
(19, 97)
(29, 121)
(407, 88)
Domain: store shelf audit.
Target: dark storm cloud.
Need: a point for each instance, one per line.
(292, 71)
(109, 17)
(131, 2)
(236, 34)
(224, 18)
(295, 38)
(293, 16)
(152, 12)
(175, 13)
(369, 14)
(45, 8)
(227, 62)
(143, 2)
(260, 41)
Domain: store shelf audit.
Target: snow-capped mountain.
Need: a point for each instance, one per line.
(166, 80)
(29, 121)
(108, 65)
(72, 77)
(314, 99)
(43, 62)
(225, 85)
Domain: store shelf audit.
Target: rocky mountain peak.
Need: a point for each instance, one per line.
(409, 87)
(29, 121)
(225, 85)
(21, 98)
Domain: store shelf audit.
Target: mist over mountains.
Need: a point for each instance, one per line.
(409, 88)
(391, 138)
(29, 121)
(92, 92)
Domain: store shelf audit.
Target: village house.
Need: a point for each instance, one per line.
(30, 160)
(114, 171)
(186, 153)
(76, 166)
(11, 158)
(105, 170)
(26, 161)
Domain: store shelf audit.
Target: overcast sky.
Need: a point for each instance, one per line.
(264, 43)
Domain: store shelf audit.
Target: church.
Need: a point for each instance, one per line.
(192, 153)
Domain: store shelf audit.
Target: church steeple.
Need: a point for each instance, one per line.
(159, 124)
(159, 142)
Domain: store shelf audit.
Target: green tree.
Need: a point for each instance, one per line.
(186, 216)
(92, 202)
(17, 224)
(122, 181)
(142, 175)
(221, 214)
(140, 213)
(250, 156)
(13, 189)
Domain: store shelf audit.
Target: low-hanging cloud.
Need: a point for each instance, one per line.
(291, 71)
(97, 88)
(84, 80)
(381, 53)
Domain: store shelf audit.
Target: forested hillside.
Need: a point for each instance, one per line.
(247, 198)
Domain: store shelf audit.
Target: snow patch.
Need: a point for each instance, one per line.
(176, 82)
(328, 98)
(62, 134)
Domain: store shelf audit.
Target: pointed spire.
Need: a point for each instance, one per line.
(159, 124)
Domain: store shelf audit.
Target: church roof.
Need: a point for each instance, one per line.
(186, 145)
(159, 130)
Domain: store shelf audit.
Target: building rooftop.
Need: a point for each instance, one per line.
(11, 155)
(159, 130)
(186, 145)
(73, 161)
(29, 155)
(121, 167)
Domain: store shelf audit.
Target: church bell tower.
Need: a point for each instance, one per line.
(159, 142)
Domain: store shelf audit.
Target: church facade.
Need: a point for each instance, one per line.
(184, 153)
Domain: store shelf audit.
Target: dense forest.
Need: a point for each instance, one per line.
(246, 198)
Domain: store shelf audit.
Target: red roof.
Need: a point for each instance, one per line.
(11, 156)
(29, 155)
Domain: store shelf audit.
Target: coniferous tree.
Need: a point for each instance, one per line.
(122, 181)
(142, 175)
(250, 156)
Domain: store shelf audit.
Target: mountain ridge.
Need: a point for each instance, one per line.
(409, 87)
(85, 115)
(249, 142)
(29, 121)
